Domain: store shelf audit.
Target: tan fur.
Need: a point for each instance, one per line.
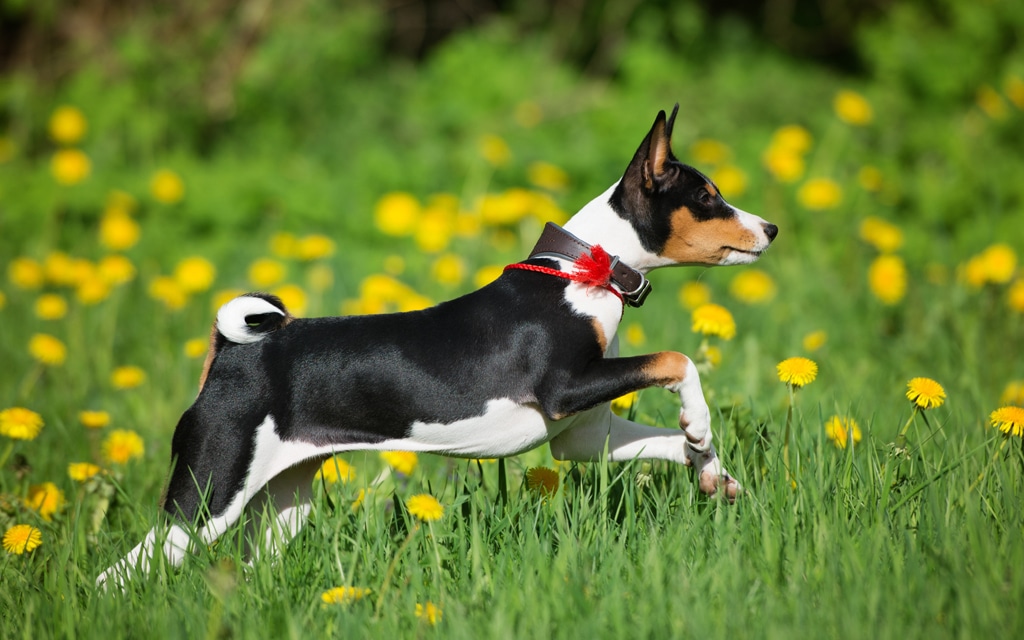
(712, 190)
(667, 367)
(210, 353)
(599, 331)
(707, 242)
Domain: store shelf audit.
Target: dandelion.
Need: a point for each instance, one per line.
(314, 247)
(127, 377)
(494, 150)
(623, 404)
(19, 423)
(397, 214)
(70, 166)
(195, 274)
(819, 194)
(784, 164)
(283, 244)
(1014, 88)
(547, 176)
(841, 430)
(425, 507)
(22, 538)
(169, 291)
(797, 372)
(115, 270)
(853, 108)
(752, 286)
(266, 272)
(344, 595)
(713, 320)
(635, 335)
(404, 462)
(925, 393)
(59, 268)
(167, 187)
(119, 231)
(792, 137)
(51, 306)
(82, 471)
(67, 125)
(989, 101)
(881, 234)
(694, 294)
(334, 469)
(47, 349)
(293, 297)
(47, 499)
(815, 340)
(1009, 420)
(730, 179)
(122, 446)
(1000, 263)
(196, 347)
(707, 151)
(542, 480)
(448, 270)
(1013, 393)
(1015, 296)
(320, 277)
(434, 230)
(487, 274)
(26, 273)
(94, 419)
(360, 499)
(887, 278)
(429, 612)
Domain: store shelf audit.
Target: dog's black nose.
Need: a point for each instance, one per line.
(771, 231)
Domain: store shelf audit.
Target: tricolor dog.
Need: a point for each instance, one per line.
(528, 359)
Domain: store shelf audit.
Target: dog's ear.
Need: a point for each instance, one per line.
(655, 151)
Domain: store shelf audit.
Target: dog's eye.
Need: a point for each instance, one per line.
(704, 197)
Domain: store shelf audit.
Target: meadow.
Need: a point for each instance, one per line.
(865, 375)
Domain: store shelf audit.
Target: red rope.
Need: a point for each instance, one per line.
(591, 270)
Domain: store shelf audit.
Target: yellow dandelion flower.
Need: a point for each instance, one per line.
(714, 355)
(635, 335)
(403, 462)
(1015, 296)
(122, 446)
(623, 404)
(449, 270)
(293, 297)
(26, 273)
(60, 268)
(815, 340)
(195, 274)
(414, 302)
(70, 166)
(167, 187)
(3, 300)
(544, 209)
(853, 108)
(82, 471)
(94, 419)
(694, 294)
(320, 277)
(335, 469)
(20, 423)
(870, 178)
(196, 347)
(119, 231)
(713, 320)
(344, 595)
(797, 372)
(487, 274)
(792, 137)
(434, 230)
(360, 499)
(925, 393)
(1014, 88)
(127, 377)
(818, 194)
(425, 507)
(507, 207)
(115, 270)
(169, 291)
(315, 247)
(397, 214)
(542, 480)
(731, 180)
(429, 613)
(840, 430)
(881, 234)
(784, 164)
(547, 176)
(1013, 393)
(92, 291)
(266, 272)
(1000, 263)
(283, 244)
(887, 278)
(47, 349)
(22, 538)
(494, 150)
(752, 286)
(989, 101)
(46, 498)
(67, 125)
(708, 151)
(51, 306)
(1009, 420)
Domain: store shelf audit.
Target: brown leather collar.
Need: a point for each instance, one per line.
(556, 242)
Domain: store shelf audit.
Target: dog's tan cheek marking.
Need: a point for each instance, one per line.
(704, 242)
(667, 368)
(210, 353)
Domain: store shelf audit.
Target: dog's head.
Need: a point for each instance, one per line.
(679, 214)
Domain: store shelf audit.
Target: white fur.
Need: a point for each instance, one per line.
(231, 318)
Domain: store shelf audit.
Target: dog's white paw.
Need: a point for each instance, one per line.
(696, 424)
(714, 480)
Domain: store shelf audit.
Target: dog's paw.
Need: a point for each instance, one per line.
(696, 424)
(712, 478)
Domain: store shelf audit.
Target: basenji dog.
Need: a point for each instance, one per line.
(528, 359)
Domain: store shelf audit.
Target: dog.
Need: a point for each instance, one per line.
(529, 359)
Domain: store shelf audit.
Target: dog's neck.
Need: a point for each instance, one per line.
(597, 223)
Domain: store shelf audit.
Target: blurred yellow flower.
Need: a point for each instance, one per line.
(169, 291)
(792, 137)
(82, 471)
(195, 274)
(67, 125)
(92, 291)
(853, 108)
(542, 480)
(293, 297)
(60, 268)
(127, 377)
(335, 469)
(115, 269)
(119, 231)
(283, 244)
(46, 499)
(841, 430)
(544, 209)
(403, 462)
(797, 372)
(713, 320)
(870, 178)
(449, 269)
(494, 150)
(22, 538)
(1009, 420)
(3, 300)
(708, 151)
(881, 234)
(266, 272)
(196, 347)
(887, 278)
(989, 100)
(122, 445)
(429, 612)
(26, 273)
(94, 419)
(47, 349)
(70, 166)
(693, 294)
(623, 404)
(925, 393)
(547, 176)
(425, 507)
(634, 335)
(434, 230)
(714, 355)
(320, 277)
(360, 498)
(1000, 262)
(815, 340)
(818, 194)
(1015, 296)
(1014, 88)
(167, 187)
(51, 306)
(487, 274)
(784, 164)
(7, 149)
(752, 286)
(19, 423)
(974, 272)
(507, 207)
(344, 595)
(731, 180)
(1013, 393)
(397, 214)
(315, 247)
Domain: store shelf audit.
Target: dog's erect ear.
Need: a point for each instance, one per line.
(656, 149)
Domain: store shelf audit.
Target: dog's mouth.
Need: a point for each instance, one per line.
(752, 253)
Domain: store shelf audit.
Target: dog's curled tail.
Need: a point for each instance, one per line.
(251, 317)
